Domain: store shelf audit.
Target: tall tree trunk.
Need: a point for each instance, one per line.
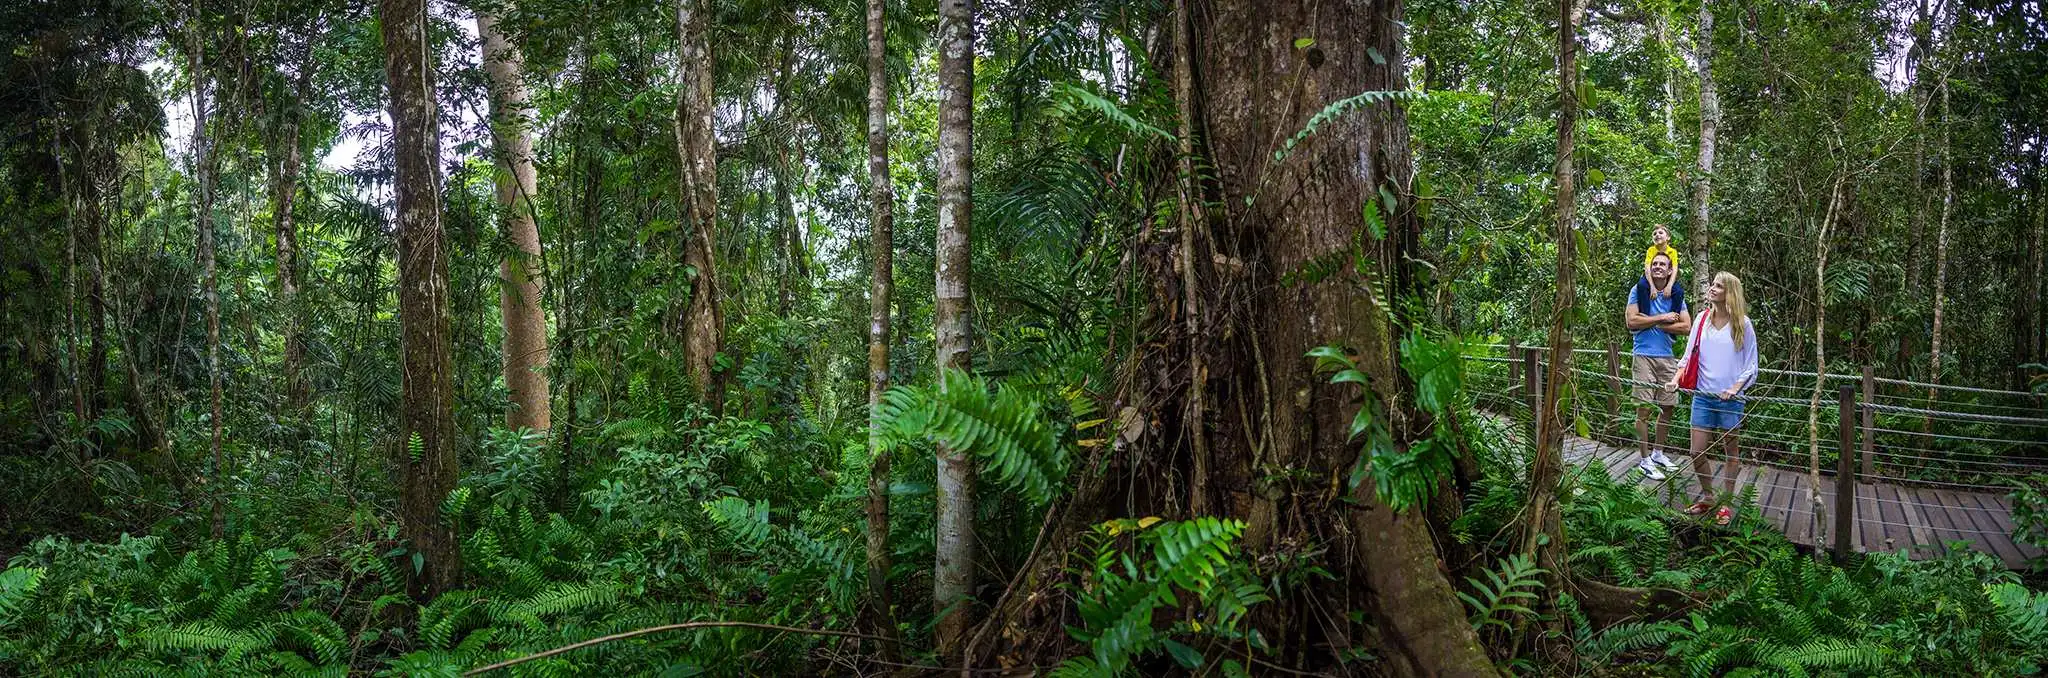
(881, 205)
(519, 291)
(953, 577)
(1193, 227)
(1918, 58)
(425, 450)
(1276, 220)
(97, 160)
(1702, 236)
(1941, 250)
(2036, 349)
(1543, 522)
(703, 321)
(1818, 509)
(287, 160)
(1663, 20)
(206, 159)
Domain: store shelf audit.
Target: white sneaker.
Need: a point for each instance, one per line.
(1659, 459)
(1650, 469)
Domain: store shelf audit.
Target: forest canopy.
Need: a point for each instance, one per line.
(1074, 337)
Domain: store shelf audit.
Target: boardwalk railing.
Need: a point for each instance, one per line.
(1925, 462)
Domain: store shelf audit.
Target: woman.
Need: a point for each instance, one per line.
(1725, 342)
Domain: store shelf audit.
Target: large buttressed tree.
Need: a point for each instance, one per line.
(1285, 262)
(425, 452)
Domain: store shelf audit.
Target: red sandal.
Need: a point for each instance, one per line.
(1697, 508)
(1722, 516)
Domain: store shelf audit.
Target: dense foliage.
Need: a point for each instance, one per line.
(133, 131)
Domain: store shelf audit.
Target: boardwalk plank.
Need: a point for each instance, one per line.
(1992, 517)
(1959, 516)
(1793, 515)
(1916, 524)
(1892, 521)
(2005, 504)
(1938, 523)
(1869, 536)
(1770, 496)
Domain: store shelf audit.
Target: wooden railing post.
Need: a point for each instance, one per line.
(1869, 421)
(1533, 377)
(1845, 475)
(1613, 384)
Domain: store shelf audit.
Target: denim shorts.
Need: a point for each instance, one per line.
(1709, 412)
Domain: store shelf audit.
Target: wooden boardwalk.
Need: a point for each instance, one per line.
(1889, 517)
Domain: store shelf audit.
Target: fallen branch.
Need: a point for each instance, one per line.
(668, 627)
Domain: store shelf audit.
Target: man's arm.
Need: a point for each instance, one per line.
(1635, 320)
(1680, 324)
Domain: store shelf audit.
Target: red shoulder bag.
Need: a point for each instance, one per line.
(1689, 374)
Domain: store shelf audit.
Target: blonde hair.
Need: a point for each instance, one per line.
(1735, 305)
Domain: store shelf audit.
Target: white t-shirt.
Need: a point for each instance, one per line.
(1722, 363)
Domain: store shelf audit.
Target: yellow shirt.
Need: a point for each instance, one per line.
(1652, 254)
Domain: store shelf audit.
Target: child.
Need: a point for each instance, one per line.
(1660, 241)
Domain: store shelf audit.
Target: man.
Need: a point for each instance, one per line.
(1654, 319)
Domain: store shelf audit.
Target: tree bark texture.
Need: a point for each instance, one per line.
(881, 205)
(286, 162)
(519, 292)
(1948, 187)
(953, 576)
(205, 165)
(702, 322)
(426, 448)
(1818, 510)
(1293, 269)
(1542, 537)
(1702, 236)
(1193, 227)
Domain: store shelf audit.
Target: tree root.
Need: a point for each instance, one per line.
(1606, 604)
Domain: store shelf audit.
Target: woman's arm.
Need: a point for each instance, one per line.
(1748, 355)
(1683, 356)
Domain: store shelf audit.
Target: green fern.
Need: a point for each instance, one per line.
(1497, 602)
(1824, 653)
(1072, 97)
(17, 586)
(1629, 637)
(199, 637)
(1337, 109)
(415, 447)
(1007, 430)
(1117, 607)
(2024, 612)
(746, 521)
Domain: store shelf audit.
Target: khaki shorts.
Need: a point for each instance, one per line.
(1659, 370)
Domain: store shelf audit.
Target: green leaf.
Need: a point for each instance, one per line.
(1303, 43)
(1072, 97)
(1377, 58)
(1595, 177)
(1186, 656)
(1374, 224)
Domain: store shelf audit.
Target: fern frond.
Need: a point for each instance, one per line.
(198, 636)
(17, 586)
(1629, 637)
(1829, 653)
(1006, 430)
(2024, 612)
(744, 520)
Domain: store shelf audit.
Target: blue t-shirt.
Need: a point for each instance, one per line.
(1652, 341)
